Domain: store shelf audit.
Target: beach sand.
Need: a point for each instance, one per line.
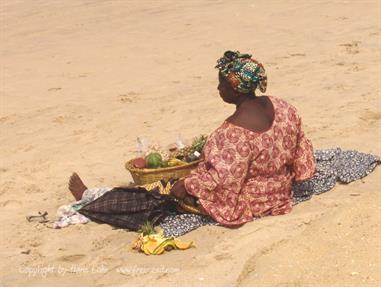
(81, 80)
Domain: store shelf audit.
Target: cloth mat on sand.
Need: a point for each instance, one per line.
(332, 165)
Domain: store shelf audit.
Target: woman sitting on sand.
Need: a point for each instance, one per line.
(251, 160)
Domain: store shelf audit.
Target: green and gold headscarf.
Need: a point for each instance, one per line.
(243, 72)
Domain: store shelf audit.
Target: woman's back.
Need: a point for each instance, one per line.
(251, 172)
(274, 148)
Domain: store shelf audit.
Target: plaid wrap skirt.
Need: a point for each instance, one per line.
(130, 207)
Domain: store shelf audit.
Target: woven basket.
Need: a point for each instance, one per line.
(148, 175)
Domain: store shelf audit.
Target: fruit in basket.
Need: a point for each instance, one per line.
(192, 152)
(138, 162)
(198, 144)
(154, 160)
(181, 154)
(175, 162)
(194, 156)
(172, 147)
(165, 163)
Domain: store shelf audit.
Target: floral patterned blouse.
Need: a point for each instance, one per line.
(246, 174)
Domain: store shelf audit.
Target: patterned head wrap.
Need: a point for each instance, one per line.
(242, 72)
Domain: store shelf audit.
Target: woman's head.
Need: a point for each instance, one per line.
(239, 75)
(227, 93)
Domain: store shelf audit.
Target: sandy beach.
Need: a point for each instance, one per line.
(81, 80)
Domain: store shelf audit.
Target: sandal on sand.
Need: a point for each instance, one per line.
(40, 218)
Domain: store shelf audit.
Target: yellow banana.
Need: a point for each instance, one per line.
(176, 162)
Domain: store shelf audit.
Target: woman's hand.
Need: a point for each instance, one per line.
(178, 190)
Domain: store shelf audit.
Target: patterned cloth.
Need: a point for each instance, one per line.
(334, 165)
(246, 174)
(180, 224)
(161, 186)
(242, 72)
(129, 207)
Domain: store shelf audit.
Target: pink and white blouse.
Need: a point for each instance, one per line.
(246, 174)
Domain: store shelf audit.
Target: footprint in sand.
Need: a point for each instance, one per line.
(7, 186)
(27, 148)
(71, 258)
(78, 132)
(223, 256)
(62, 119)
(375, 32)
(125, 99)
(34, 242)
(7, 120)
(290, 284)
(371, 117)
(351, 48)
(355, 67)
(130, 97)
(33, 188)
(54, 89)
(3, 119)
(350, 66)
(10, 204)
(98, 244)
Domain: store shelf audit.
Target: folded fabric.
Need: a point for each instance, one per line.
(68, 214)
(129, 207)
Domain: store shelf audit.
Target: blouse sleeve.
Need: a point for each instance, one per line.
(224, 169)
(304, 161)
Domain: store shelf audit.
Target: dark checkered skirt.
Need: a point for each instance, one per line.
(129, 208)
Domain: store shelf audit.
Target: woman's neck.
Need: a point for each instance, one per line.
(242, 98)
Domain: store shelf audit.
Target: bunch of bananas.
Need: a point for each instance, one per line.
(176, 162)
